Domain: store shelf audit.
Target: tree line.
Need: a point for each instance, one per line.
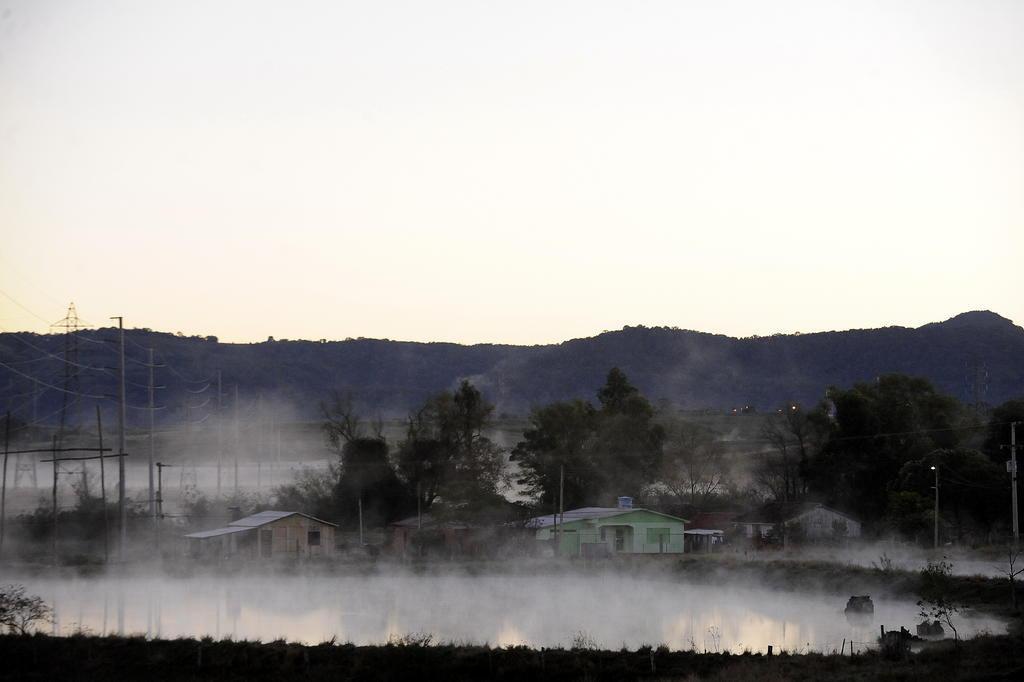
(866, 450)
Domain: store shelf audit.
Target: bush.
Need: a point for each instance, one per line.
(19, 612)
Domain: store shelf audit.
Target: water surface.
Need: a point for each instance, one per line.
(608, 610)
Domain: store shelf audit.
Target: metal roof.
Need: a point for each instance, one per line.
(218, 531)
(585, 513)
(265, 517)
(575, 515)
(254, 521)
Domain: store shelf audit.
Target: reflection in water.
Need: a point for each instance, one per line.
(613, 610)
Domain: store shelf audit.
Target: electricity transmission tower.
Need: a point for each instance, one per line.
(69, 398)
(70, 324)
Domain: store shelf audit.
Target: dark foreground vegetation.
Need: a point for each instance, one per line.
(41, 657)
(974, 592)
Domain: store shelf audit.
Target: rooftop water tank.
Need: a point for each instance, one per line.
(625, 503)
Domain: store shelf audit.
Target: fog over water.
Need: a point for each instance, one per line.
(610, 609)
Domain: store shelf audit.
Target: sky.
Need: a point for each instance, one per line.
(514, 172)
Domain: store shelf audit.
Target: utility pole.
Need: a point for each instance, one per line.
(55, 500)
(220, 432)
(103, 490)
(936, 540)
(56, 470)
(160, 501)
(561, 505)
(152, 502)
(261, 447)
(277, 459)
(122, 501)
(238, 440)
(3, 490)
(361, 544)
(1013, 481)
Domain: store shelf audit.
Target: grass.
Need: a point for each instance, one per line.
(41, 657)
(988, 594)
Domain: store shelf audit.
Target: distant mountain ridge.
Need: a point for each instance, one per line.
(977, 353)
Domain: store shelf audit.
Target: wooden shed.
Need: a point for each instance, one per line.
(266, 535)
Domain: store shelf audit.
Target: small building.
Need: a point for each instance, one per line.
(703, 540)
(424, 534)
(724, 521)
(601, 531)
(806, 521)
(266, 535)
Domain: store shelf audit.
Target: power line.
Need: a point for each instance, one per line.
(100, 342)
(181, 376)
(24, 362)
(15, 302)
(55, 356)
(910, 433)
(55, 388)
(37, 422)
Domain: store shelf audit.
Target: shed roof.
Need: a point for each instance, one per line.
(428, 521)
(585, 513)
(254, 521)
(714, 520)
(776, 512)
(264, 517)
(217, 532)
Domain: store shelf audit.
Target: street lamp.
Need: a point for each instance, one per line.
(936, 487)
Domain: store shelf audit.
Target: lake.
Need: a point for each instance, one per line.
(608, 610)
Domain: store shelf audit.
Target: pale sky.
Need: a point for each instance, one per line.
(518, 172)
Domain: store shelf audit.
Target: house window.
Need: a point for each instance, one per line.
(313, 538)
(658, 537)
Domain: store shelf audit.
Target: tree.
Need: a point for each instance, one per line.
(973, 488)
(795, 435)
(560, 440)
(997, 438)
(877, 428)
(939, 600)
(616, 393)
(341, 422)
(447, 455)
(1011, 572)
(694, 467)
(910, 514)
(614, 450)
(365, 478)
(19, 612)
(369, 482)
(422, 461)
(629, 442)
(312, 491)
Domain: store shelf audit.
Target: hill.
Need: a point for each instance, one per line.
(975, 351)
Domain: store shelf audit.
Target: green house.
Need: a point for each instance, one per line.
(601, 531)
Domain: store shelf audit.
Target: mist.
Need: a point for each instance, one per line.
(605, 608)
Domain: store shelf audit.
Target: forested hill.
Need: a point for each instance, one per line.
(689, 369)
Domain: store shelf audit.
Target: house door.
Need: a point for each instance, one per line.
(266, 543)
